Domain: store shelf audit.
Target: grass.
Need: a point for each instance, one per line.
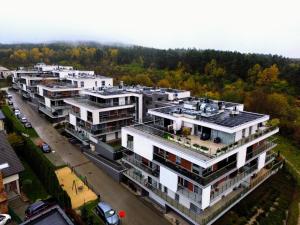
(16, 122)
(14, 216)
(274, 197)
(5, 83)
(37, 191)
(90, 206)
(289, 151)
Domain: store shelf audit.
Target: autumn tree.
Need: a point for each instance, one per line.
(268, 76)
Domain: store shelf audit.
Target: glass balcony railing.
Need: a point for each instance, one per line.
(186, 142)
(200, 179)
(265, 146)
(132, 160)
(212, 212)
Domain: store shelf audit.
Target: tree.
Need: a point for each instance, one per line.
(213, 69)
(268, 76)
(15, 140)
(164, 83)
(252, 73)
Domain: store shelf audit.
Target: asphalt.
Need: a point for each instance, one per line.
(137, 212)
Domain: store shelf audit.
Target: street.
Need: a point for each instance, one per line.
(137, 213)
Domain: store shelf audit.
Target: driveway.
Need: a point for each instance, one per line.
(137, 213)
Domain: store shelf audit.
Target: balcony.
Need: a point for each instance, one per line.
(208, 148)
(203, 180)
(192, 196)
(51, 114)
(139, 164)
(77, 134)
(212, 213)
(223, 187)
(264, 147)
(87, 103)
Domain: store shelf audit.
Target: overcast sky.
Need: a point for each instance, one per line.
(261, 26)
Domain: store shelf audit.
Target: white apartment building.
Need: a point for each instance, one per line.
(200, 157)
(100, 114)
(51, 96)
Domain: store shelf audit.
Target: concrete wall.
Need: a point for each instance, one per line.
(168, 179)
(107, 166)
(241, 157)
(261, 160)
(206, 197)
(107, 151)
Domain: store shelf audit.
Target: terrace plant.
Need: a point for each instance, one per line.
(204, 148)
(196, 145)
(186, 131)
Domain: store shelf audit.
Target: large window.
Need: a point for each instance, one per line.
(129, 141)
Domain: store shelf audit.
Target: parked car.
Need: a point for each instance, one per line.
(9, 96)
(4, 219)
(17, 113)
(23, 119)
(107, 214)
(10, 102)
(38, 207)
(28, 125)
(45, 147)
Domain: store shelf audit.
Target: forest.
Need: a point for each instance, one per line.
(264, 83)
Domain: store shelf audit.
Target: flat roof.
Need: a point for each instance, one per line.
(86, 103)
(52, 216)
(223, 118)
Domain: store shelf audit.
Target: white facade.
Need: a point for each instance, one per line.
(195, 170)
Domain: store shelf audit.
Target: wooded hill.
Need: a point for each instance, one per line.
(265, 83)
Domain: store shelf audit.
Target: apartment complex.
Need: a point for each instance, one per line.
(51, 96)
(199, 157)
(100, 114)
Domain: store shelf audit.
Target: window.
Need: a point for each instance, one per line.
(196, 169)
(166, 190)
(177, 197)
(89, 116)
(96, 84)
(103, 83)
(178, 160)
(129, 141)
(82, 84)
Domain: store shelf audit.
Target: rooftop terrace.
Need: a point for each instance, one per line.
(224, 117)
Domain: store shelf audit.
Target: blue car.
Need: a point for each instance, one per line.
(45, 148)
(107, 214)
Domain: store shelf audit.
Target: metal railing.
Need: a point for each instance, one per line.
(212, 212)
(131, 160)
(201, 179)
(232, 181)
(265, 146)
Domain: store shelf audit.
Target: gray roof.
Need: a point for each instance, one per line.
(223, 118)
(2, 117)
(52, 216)
(8, 155)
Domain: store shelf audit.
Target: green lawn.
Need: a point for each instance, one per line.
(5, 83)
(289, 151)
(37, 190)
(274, 197)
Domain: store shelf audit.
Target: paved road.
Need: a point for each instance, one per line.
(137, 213)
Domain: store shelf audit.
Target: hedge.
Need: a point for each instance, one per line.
(13, 124)
(39, 163)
